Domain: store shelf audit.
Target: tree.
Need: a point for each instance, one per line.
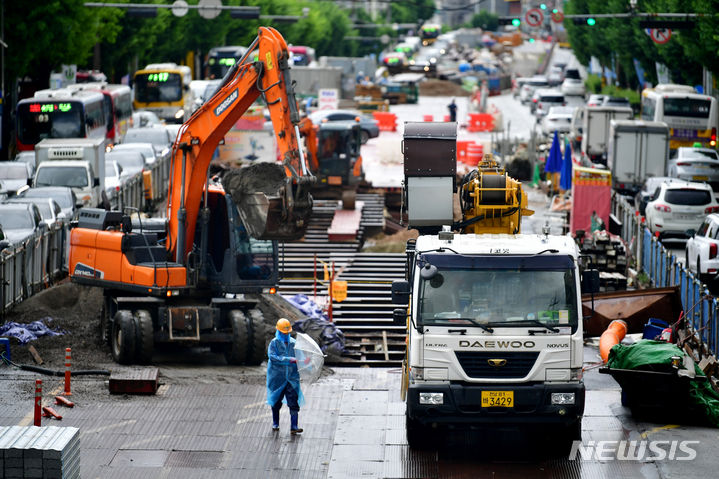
(485, 20)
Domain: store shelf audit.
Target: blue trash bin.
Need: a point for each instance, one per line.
(654, 328)
(5, 348)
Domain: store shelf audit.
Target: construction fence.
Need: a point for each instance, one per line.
(39, 261)
(663, 269)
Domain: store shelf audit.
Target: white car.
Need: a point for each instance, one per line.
(559, 119)
(573, 86)
(147, 150)
(546, 99)
(529, 86)
(113, 177)
(702, 248)
(678, 206)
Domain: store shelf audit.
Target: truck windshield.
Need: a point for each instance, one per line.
(499, 295)
(72, 176)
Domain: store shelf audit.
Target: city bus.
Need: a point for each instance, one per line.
(429, 33)
(118, 106)
(221, 59)
(691, 116)
(164, 89)
(60, 113)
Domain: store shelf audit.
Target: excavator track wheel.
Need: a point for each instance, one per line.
(144, 340)
(236, 350)
(122, 337)
(256, 337)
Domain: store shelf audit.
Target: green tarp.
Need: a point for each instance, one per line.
(647, 353)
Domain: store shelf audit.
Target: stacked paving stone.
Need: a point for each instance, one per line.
(609, 257)
(39, 452)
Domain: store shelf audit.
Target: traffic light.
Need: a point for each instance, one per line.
(554, 10)
(591, 22)
(509, 21)
(543, 6)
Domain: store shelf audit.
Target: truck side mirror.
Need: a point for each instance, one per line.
(590, 281)
(400, 292)
(96, 182)
(399, 316)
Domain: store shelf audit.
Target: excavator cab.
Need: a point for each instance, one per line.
(338, 154)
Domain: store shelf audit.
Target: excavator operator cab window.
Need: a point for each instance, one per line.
(254, 258)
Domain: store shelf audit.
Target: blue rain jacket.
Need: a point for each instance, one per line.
(280, 371)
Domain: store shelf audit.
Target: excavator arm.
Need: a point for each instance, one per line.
(276, 213)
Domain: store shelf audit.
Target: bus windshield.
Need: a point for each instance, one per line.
(37, 121)
(158, 87)
(686, 107)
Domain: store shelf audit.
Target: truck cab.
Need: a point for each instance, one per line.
(495, 335)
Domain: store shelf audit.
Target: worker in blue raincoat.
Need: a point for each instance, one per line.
(283, 378)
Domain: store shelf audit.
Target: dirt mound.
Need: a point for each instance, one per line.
(264, 177)
(441, 88)
(394, 243)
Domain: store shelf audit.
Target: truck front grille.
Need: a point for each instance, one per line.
(508, 365)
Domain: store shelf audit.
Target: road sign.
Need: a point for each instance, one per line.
(328, 99)
(179, 8)
(660, 36)
(534, 17)
(339, 291)
(557, 17)
(209, 9)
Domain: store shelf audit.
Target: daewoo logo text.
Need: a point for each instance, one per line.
(226, 103)
(497, 344)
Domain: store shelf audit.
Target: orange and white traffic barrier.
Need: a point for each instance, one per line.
(68, 360)
(614, 334)
(61, 401)
(38, 403)
(47, 411)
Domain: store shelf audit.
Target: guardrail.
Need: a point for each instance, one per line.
(664, 269)
(41, 260)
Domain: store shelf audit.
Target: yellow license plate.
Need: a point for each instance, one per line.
(700, 178)
(334, 180)
(497, 398)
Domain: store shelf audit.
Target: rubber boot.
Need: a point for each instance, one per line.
(294, 428)
(275, 419)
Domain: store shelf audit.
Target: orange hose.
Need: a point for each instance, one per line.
(613, 335)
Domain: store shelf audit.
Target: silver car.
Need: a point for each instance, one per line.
(695, 164)
(559, 119)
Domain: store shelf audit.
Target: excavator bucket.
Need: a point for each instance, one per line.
(271, 207)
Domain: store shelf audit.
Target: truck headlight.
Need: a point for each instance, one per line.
(417, 373)
(562, 398)
(432, 399)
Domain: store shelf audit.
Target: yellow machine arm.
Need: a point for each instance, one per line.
(491, 201)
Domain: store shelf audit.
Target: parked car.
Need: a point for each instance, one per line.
(27, 157)
(113, 177)
(147, 150)
(702, 247)
(559, 119)
(695, 164)
(14, 175)
(64, 196)
(173, 129)
(573, 86)
(547, 99)
(20, 221)
(517, 85)
(616, 101)
(595, 100)
(50, 210)
(132, 162)
(649, 188)
(143, 118)
(367, 123)
(159, 137)
(678, 206)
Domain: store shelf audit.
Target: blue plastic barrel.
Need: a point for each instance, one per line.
(5, 344)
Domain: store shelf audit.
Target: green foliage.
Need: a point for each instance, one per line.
(593, 83)
(616, 42)
(631, 95)
(485, 20)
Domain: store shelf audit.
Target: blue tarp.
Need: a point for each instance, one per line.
(554, 160)
(29, 332)
(318, 326)
(565, 181)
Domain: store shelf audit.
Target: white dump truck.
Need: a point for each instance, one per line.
(493, 316)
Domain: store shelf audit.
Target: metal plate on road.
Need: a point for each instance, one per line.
(534, 17)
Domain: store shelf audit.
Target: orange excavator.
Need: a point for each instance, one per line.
(183, 280)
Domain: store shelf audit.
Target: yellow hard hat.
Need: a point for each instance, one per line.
(283, 326)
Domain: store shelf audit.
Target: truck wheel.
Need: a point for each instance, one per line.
(416, 434)
(122, 337)
(256, 337)
(236, 350)
(144, 341)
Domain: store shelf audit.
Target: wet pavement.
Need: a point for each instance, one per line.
(210, 420)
